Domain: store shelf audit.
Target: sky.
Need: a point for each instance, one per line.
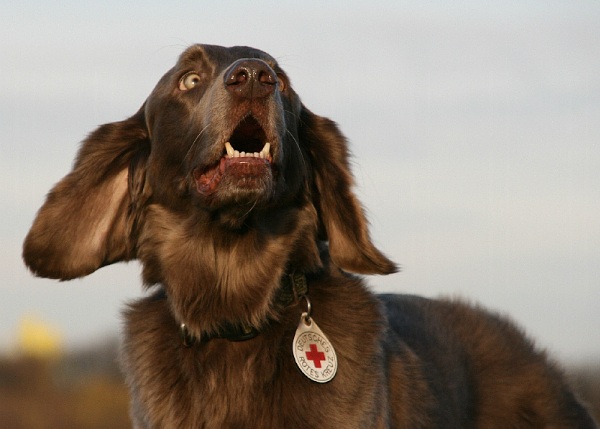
(474, 125)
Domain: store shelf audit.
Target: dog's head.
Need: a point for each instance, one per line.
(222, 150)
(223, 128)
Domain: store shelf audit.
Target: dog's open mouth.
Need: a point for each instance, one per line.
(246, 160)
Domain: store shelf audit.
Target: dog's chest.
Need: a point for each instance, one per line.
(255, 383)
(227, 386)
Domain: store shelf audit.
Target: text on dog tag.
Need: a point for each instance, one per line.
(313, 352)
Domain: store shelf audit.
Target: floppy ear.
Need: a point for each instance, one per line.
(340, 212)
(87, 218)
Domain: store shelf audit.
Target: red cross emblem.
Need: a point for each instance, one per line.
(315, 355)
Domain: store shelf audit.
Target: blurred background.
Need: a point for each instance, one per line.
(475, 128)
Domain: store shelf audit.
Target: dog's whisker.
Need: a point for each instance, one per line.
(299, 149)
(245, 215)
(191, 148)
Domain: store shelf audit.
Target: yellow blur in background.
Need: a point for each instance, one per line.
(45, 384)
(39, 339)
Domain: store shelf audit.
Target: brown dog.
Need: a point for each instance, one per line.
(237, 201)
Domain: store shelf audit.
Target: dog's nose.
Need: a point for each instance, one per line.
(250, 78)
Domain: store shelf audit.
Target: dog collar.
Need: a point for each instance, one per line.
(293, 286)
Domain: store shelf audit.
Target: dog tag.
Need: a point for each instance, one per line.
(313, 352)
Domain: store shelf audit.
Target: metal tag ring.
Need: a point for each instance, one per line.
(307, 313)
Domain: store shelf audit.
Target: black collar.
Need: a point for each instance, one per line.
(293, 287)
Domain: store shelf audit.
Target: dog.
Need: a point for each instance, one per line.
(238, 202)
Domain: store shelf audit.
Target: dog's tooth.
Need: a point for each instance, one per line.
(236, 154)
(242, 154)
(265, 150)
(255, 154)
(229, 149)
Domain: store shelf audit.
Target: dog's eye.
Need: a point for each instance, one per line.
(189, 80)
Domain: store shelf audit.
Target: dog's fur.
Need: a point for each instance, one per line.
(215, 238)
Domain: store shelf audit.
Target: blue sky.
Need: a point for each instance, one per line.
(475, 127)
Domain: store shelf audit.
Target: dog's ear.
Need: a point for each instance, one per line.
(87, 219)
(339, 210)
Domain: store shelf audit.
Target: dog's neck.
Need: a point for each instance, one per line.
(216, 278)
(293, 287)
